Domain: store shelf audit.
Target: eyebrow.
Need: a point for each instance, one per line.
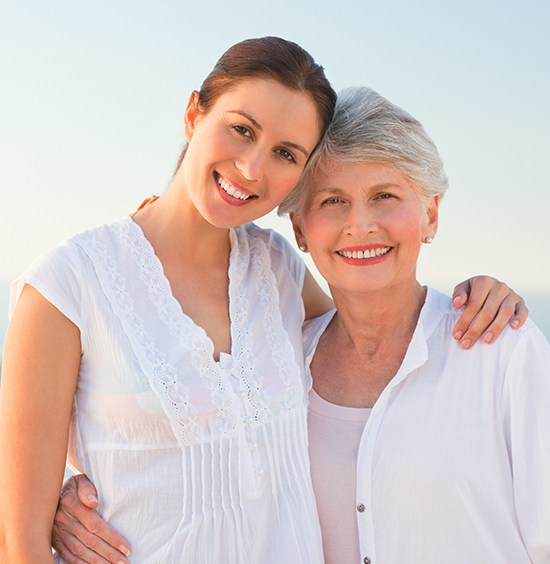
(339, 191)
(258, 126)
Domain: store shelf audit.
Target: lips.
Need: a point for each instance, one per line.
(232, 190)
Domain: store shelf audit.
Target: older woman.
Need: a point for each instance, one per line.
(431, 454)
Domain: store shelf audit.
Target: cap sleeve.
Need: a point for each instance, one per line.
(57, 275)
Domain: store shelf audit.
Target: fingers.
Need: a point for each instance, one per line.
(78, 529)
(490, 306)
(67, 556)
(77, 553)
(86, 490)
(460, 294)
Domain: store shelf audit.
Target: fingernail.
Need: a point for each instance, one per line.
(92, 498)
(124, 549)
(515, 323)
(465, 343)
(488, 338)
(458, 335)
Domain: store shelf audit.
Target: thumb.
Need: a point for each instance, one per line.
(86, 490)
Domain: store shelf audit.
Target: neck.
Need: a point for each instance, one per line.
(373, 319)
(177, 231)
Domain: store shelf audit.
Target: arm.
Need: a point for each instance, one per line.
(79, 533)
(527, 396)
(40, 370)
(489, 305)
(316, 301)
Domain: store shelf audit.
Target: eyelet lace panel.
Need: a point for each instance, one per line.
(200, 397)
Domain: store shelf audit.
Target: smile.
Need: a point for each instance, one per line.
(231, 190)
(366, 254)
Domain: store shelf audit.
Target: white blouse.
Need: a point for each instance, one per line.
(453, 465)
(195, 460)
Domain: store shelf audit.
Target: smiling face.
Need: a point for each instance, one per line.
(363, 225)
(248, 150)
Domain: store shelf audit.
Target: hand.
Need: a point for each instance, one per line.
(79, 534)
(489, 306)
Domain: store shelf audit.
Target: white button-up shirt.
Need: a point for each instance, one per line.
(453, 464)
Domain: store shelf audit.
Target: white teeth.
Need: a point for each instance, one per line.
(231, 190)
(365, 254)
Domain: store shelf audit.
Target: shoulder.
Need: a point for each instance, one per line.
(62, 270)
(513, 346)
(283, 257)
(269, 237)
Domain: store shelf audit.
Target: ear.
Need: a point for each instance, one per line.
(192, 112)
(298, 231)
(432, 216)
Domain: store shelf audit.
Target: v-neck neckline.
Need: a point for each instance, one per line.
(176, 306)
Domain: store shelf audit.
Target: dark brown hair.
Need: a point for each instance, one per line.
(270, 58)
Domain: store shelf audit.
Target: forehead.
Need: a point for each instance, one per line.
(349, 175)
(272, 104)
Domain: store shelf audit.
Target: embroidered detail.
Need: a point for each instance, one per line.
(201, 398)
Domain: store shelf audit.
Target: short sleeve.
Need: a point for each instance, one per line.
(57, 275)
(285, 260)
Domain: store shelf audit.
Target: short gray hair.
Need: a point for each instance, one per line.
(368, 128)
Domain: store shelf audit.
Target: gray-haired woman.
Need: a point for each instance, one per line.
(420, 451)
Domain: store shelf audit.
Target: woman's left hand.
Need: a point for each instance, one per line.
(489, 305)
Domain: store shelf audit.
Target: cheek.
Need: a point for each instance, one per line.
(407, 226)
(285, 180)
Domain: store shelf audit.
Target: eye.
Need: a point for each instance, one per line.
(385, 196)
(286, 155)
(243, 131)
(331, 201)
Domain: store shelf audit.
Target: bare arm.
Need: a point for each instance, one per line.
(316, 301)
(40, 369)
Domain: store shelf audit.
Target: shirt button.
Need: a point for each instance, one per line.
(366, 560)
(361, 508)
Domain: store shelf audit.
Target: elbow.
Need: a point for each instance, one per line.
(16, 548)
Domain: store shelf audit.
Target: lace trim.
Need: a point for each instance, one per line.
(168, 379)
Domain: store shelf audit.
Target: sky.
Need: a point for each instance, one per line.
(93, 94)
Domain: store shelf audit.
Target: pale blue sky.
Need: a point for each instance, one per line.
(93, 94)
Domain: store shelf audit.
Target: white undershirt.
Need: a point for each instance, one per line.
(334, 435)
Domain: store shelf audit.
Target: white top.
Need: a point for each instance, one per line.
(334, 435)
(454, 462)
(195, 460)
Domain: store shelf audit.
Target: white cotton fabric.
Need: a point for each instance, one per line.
(453, 464)
(194, 460)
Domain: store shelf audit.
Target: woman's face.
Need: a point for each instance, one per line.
(364, 224)
(248, 150)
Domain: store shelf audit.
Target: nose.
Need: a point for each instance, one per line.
(251, 163)
(360, 221)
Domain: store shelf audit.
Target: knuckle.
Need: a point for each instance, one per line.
(67, 501)
(89, 539)
(76, 548)
(93, 525)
